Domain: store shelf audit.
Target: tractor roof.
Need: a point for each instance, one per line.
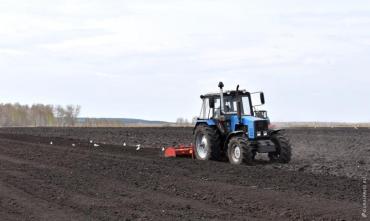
(226, 93)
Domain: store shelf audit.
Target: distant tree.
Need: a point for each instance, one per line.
(49, 114)
(60, 116)
(180, 121)
(67, 116)
(71, 114)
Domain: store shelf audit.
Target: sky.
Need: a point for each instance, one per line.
(152, 59)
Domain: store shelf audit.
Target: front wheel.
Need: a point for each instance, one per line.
(283, 151)
(239, 151)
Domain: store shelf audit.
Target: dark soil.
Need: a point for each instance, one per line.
(71, 179)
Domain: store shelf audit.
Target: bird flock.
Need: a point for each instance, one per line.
(95, 144)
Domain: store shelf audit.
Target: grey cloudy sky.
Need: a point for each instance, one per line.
(152, 59)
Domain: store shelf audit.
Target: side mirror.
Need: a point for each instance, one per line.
(211, 102)
(262, 97)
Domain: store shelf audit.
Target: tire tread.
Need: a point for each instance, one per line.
(214, 138)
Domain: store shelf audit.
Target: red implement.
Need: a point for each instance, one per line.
(179, 151)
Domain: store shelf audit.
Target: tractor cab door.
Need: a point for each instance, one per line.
(205, 110)
(216, 112)
(210, 109)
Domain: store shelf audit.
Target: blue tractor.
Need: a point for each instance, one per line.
(230, 126)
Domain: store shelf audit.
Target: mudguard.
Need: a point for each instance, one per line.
(208, 122)
(274, 131)
(229, 137)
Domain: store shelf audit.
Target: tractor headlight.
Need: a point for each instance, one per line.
(264, 133)
(258, 133)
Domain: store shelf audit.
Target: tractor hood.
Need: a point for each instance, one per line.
(253, 124)
(250, 119)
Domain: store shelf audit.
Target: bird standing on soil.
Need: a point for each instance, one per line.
(138, 147)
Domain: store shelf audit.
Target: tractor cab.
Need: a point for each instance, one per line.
(233, 110)
(212, 108)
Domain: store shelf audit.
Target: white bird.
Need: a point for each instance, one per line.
(91, 141)
(73, 145)
(162, 149)
(124, 144)
(51, 142)
(96, 145)
(138, 147)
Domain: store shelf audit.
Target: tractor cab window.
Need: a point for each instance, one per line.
(207, 112)
(230, 106)
(246, 106)
(204, 112)
(217, 111)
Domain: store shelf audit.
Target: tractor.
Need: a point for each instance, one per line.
(230, 126)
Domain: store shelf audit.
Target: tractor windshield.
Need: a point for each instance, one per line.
(231, 105)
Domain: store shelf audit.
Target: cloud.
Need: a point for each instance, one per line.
(12, 52)
(107, 75)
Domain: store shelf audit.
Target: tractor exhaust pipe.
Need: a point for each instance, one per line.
(221, 85)
(238, 105)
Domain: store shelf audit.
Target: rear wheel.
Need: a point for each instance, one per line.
(283, 151)
(207, 143)
(239, 151)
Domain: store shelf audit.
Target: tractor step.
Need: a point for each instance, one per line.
(180, 151)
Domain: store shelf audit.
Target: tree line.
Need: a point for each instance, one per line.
(185, 122)
(41, 115)
(38, 115)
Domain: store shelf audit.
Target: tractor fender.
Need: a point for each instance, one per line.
(208, 122)
(197, 125)
(230, 135)
(274, 131)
